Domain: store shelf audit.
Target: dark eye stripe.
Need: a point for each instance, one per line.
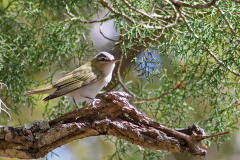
(101, 55)
(104, 59)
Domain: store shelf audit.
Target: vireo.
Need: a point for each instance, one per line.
(83, 83)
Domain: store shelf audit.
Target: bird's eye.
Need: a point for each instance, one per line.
(103, 59)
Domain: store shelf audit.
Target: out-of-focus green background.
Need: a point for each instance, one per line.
(98, 148)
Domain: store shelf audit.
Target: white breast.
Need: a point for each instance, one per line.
(92, 89)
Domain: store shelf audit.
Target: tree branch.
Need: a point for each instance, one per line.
(114, 11)
(226, 20)
(137, 10)
(198, 6)
(73, 17)
(206, 48)
(112, 115)
(237, 1)
(100, 30)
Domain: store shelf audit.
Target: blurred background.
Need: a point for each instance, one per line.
(98, 148)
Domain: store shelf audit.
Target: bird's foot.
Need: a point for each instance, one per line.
(93, 101)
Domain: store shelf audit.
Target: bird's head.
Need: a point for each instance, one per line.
(104, 62)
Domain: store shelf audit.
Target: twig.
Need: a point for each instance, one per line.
(219, 61)
(186, 14)
(202, 137)
(42, 26)
(198, 6)
(226, 20)
(197, 13)
(83, 21)
(137, 10)
(176, 19)
(30, 12)
(119, 67)
(149, 21)
(100, 30)
(159, 7)
(2, 104)
(237, 1)
(233, 103)
(125, 88)
(133, 94)
(3, 84)
(114, 11)
(206, 48)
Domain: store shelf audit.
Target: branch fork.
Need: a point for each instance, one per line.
(112, 115)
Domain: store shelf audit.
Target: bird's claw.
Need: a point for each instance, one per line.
(94, 102)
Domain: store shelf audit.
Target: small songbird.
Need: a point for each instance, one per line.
(83, 83)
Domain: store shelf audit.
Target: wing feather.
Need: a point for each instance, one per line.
(74, 80)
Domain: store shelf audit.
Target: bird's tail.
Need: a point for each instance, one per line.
(47, 90)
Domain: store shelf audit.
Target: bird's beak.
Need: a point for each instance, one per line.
(115, 60)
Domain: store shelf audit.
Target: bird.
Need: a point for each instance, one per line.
(83, 83)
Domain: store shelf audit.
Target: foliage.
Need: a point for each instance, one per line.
(189, 61)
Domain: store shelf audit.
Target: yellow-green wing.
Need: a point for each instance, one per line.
(74, 80)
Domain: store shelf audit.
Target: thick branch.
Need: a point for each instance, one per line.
(112, 115)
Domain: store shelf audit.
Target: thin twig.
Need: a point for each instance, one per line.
(219, 61)
(4, 110)
(187, 15)
(190, 5)
(226, 20)
(83, 21)
(3, 84)
(42, 25)
(233, 103)
(206, 48)
(202, 137)
(100, 30)
(94, 21)
(159, 7)
(114, 11)
(176, 17)
(163, 17)
(237, 1)
(119, 75)
(137, 10)
(119, 67)
(2, 104)
(126, 89)
(151, 13)
(30, 12)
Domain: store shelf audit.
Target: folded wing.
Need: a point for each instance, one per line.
(73, 81)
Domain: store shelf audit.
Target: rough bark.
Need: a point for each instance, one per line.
(112, 115)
